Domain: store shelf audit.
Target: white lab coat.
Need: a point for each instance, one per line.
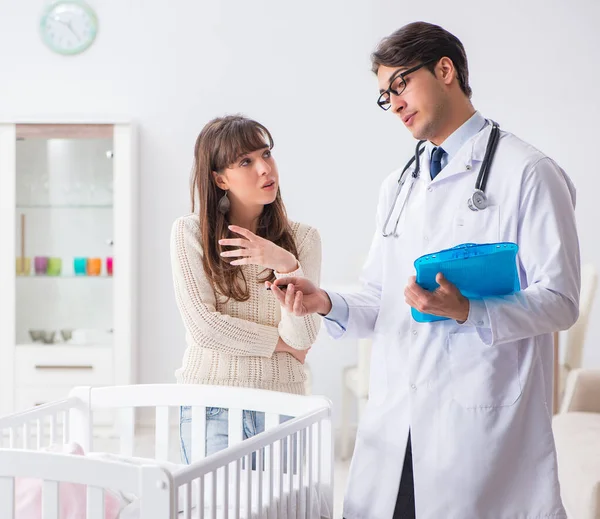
(477, 399)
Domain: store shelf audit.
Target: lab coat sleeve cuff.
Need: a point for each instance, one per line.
(340, 312)
(479, 317)
(478, 314)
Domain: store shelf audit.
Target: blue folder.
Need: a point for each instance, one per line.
(477, 270)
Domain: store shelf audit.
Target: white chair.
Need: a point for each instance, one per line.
(575, 337)
(355, 387)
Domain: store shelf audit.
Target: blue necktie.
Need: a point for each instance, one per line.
(436, 161)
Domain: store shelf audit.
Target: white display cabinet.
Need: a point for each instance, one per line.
(68, 265)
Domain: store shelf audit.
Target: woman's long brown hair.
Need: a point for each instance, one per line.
(219, 144)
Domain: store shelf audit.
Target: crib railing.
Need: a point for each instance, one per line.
(282, 463)
(38, 427)
(303, 476)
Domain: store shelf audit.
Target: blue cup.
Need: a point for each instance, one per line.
(79, 266)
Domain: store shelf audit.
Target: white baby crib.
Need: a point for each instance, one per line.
(223, 485)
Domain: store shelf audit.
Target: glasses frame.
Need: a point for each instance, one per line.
(381, 100)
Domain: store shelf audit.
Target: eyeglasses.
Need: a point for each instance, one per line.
(397, 85)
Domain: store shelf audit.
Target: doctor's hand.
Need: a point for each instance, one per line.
(301, 297)
(444, 301)
(254, 250)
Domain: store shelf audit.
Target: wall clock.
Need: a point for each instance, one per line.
(68, 26)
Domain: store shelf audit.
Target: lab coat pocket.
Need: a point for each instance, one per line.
(476, 226)
(483, 376)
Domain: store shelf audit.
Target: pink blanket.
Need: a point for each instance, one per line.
(72, 496)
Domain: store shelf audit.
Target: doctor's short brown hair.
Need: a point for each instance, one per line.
(419, 42)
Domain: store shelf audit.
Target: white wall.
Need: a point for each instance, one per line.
(303, 70)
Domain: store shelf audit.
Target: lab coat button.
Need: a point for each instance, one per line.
(480, 323)
(430, 189)
(414, 332)
(413, 387)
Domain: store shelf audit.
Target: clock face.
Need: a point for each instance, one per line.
(69, 26)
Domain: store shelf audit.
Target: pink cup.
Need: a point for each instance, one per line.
(109, 265)
(41, 265)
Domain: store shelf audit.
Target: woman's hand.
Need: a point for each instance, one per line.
(254, 250)
(299, 355)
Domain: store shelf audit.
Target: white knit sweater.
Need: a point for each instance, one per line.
(232, 343)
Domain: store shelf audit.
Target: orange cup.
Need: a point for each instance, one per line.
(94, 266)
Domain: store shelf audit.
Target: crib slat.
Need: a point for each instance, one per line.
(259, 468)
(52, 429)
(235, 418)
(198, 433)
(270, 473)
(236, 497)
(310, 468)
(39, 432)
(162, 433)
(301, 474)
(65, 430)
(7, 497)
(249, 485)
(95, 503)
(281, 466)
(199, 493)
(50, 500)
(26, 436)
(226, 492)
(126, 423)
(290, 468)
(213, 501)
(319, 446)
(187, 501)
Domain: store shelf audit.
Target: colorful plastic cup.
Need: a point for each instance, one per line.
(80, 266)
(40, 264)
(54, 266)
(23, 266)
(109, 265)
(94, 266)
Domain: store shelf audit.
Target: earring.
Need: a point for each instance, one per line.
(224, 204)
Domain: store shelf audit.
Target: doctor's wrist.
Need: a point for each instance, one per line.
(462, 314)
(325, 304)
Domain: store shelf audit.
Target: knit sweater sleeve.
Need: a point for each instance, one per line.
(301, 332)
(197, 302)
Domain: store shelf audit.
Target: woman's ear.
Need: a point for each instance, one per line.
(220, 180)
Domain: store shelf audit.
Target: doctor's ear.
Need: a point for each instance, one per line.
(446, 70)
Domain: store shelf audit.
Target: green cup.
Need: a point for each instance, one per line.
(54, 266)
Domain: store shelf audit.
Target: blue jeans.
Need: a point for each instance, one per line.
(217, 431)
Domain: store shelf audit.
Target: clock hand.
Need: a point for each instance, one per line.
(71, 29)
(67, 24)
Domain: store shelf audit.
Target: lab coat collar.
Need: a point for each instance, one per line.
(466, 160)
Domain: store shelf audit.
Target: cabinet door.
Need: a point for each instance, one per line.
(68, 217)
(64, 221)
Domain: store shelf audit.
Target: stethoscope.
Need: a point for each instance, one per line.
(477, 201)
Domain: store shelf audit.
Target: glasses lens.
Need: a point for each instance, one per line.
(398, 85)
(384, 101)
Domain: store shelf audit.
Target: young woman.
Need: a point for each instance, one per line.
(224, 255)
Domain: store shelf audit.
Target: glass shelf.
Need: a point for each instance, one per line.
(67, 344)
(66, 276)
(64, 206)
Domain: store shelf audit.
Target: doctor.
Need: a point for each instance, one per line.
(458, 424)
